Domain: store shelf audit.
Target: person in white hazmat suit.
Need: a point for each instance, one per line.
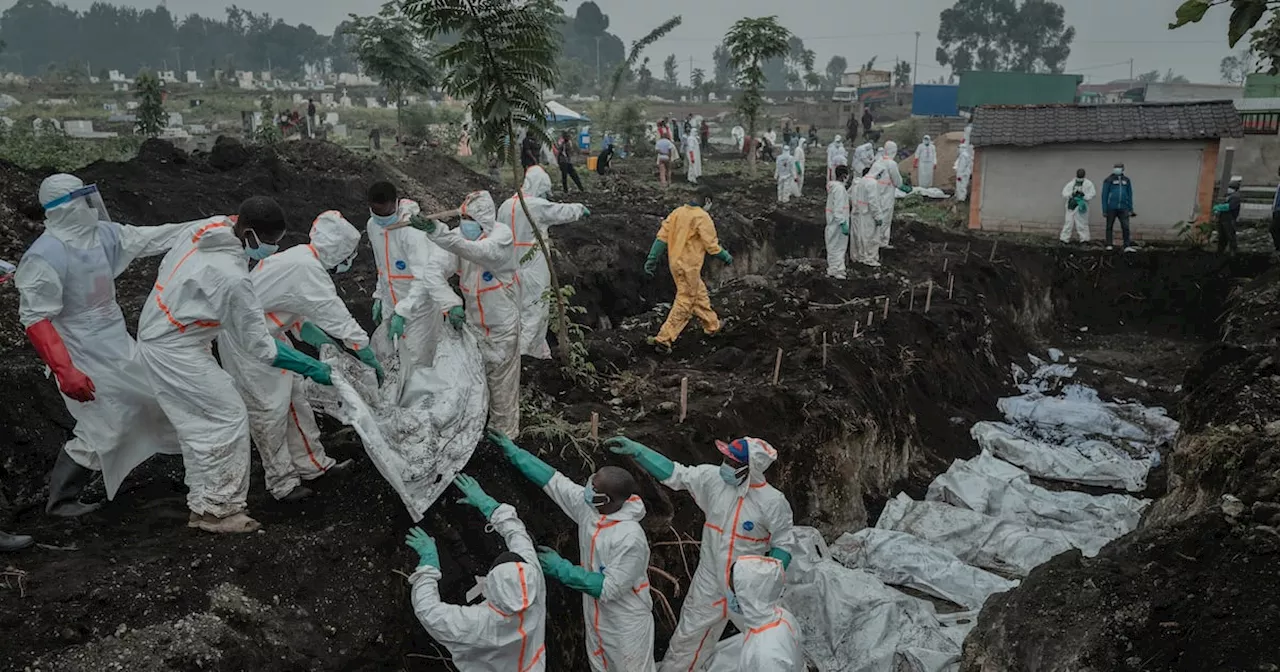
(926, 160)
(771, 637)
(203, 292)
(483, 252)
(613, 553)
(693, 152)
(67, 304)
(1077, 193)
(886, 174)
(507, 631)
(412, 281)
(535, 275)
(863, 156)
(298, 296)
(784, 172)
(964, 170)
(837, 233)
(865, 217)
(744, 516)
(835, 151)
(739, 137)
(800, 167)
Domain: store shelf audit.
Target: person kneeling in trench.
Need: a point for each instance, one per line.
(687, 236)
(508, 631)
(613, 552)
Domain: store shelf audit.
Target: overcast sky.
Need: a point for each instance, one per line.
(1108, 32)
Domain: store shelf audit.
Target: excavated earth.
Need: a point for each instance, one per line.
(863, 407)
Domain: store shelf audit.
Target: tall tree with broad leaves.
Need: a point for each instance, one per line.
(836, 67)
(1245, 16)
(389, 49)
(1236, 68)
(152, 117)
(751, 42)
(902, 74)
(503, 58)
(697, 79)
(1004, 35)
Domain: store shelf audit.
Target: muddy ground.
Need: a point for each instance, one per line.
(320, 588)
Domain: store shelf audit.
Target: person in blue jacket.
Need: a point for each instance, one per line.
(1117, 203)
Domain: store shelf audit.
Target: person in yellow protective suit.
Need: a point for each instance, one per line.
(687, 236)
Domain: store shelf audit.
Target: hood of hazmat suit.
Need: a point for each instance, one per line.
(333, 238)
(74, 222)
(508, 631)
(753, 518)
(772, 639)
(535, 276)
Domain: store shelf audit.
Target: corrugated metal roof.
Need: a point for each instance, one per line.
(1032, 125)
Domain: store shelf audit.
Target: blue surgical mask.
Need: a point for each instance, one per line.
(384, 220)
(1117, 171)
(470, 230)
(733, 477)
(592, 498)
(262, 251)
(731, 601)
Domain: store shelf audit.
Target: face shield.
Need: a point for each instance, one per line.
(92, 199)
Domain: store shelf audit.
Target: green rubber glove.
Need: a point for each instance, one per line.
(906, 189)
(538, 472)
(423, 224)
(371, 360)
(650, 460)
(1221, 208)
(651, 264)
(586, 212)
(314, 336)
(397, 327)
(377, 312)
(474, 495)
(844, 228)
(782, 555)
(457, 317)
(724, 256)
(571, 575)
(291, 360)
(425, 546)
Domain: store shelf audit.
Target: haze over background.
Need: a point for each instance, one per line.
(1108, 32)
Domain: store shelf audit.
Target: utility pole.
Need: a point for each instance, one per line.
(598, 82)
(915, 67)
(1131, 71)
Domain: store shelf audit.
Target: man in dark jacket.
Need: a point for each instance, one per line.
(530, 152)
(1117, 203)
(1228, 212)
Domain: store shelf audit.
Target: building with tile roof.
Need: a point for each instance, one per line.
(1024, 155)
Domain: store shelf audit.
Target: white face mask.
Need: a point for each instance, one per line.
(1117, 171)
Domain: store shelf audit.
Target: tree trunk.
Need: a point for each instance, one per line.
(562, 313)
(751, 151)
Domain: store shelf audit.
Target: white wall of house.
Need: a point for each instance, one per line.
(1021, 188)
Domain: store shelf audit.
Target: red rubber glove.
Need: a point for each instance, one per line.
(72, 381)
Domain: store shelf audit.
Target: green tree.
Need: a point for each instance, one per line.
(1148, 77)
(902, 74)
(1245, 15)
(836, 68)
(1004, 35)
(671, 75)
(504, 57)
(724, 73)
(751, 42)
(389, 50)
(697, 79)
(644, 79)
(152, 117)
(269, 132)
(588, 42)
(1237, 67)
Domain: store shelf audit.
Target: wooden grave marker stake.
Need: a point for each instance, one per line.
(928, 299)
(777, 367)
(951, 285)
(595, 427)
(684, 398)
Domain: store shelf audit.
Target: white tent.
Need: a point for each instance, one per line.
(557, 113)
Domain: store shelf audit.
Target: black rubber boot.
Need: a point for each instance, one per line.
(14, 542)
(66, 483)
(298, 494)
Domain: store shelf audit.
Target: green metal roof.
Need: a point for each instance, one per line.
(1016, 88)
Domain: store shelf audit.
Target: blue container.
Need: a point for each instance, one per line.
(935, 100)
